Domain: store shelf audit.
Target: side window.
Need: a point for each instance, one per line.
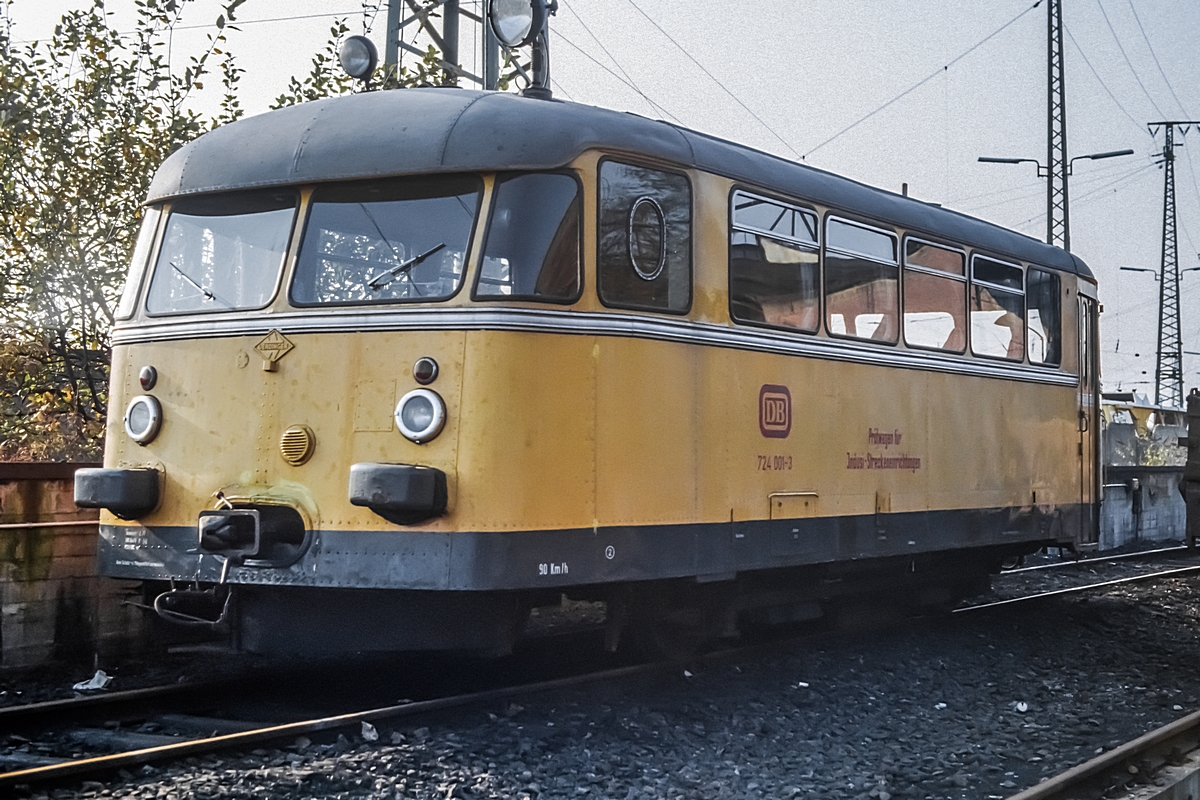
(773, 272)
(935, 297)
(137, 265)
(861, 282)
(645, 259)
(1044, 324)
(533, 240)
(997, 309)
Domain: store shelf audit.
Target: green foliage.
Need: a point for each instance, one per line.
(85, 120)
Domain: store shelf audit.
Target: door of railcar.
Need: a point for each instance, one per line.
(1089, 423)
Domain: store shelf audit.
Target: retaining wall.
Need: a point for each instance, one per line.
(52, 604)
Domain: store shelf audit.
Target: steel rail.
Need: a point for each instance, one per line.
(47, 711)
(191, 747)
(1067, 783)
(1077, 589)
(1080, 562)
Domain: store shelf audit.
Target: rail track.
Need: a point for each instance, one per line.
(98, 719)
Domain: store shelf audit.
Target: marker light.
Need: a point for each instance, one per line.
(425, 371)
(147, 378)
(358, 57)
(517, 23)
(420, 415)
(143, 418)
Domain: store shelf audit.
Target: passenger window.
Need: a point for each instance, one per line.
(532, 250)
(1045, 317)
(935, 297)
(773, 278)
(645, 239)
(997, 310)
(861, 282)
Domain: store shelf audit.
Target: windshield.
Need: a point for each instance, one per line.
(386, 241)
(222, 252)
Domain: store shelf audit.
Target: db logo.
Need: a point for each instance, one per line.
(775, 411)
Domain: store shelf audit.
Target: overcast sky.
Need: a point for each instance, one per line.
(790, 76)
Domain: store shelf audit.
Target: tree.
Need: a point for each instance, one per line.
(85, 119)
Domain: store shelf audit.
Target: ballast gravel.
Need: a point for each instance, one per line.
(973, 705)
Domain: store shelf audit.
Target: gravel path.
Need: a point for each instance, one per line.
(971, 706)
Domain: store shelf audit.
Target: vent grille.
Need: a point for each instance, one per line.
(296, 444)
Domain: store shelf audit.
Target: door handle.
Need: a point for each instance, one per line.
(1084, 423)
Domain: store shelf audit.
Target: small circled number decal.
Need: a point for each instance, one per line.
(610, 552)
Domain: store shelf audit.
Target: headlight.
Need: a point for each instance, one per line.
(517, 23)
(358, 57)
(420, 415)
(143, 418)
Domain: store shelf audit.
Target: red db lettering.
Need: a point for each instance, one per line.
(774, 411)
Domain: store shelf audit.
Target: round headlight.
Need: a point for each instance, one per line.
(517, 23)
(143, 418)
(420, 415)
(358, 57)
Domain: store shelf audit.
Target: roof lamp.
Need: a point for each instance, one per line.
(358, 57)
(517, 23)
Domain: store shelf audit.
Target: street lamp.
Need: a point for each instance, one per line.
(1044, 172)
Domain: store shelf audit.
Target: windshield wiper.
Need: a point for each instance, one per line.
(204, 291)
(378, 281)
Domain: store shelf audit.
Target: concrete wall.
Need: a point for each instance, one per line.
(52, 604)
(1152, 510)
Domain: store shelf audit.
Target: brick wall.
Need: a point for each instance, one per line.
(52, 604)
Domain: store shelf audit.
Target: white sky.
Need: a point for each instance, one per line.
(810, 68)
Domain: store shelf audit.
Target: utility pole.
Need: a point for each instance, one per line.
(1168, 371)
(446, 39)
(1058, 219)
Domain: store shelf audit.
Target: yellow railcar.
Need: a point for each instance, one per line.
(391, 369)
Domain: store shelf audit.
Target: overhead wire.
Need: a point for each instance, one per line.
(1083, 199)
(1096, 74)
(606, 68)
(714, 79)
(1157, 63)
(924, 80)
(1124, 55)
(628, 79)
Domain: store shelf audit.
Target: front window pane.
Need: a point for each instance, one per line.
(1045, 317)
(386, 241)
(774, 283)
(533, 244)
(222, 252)
(137, 265)
(645, 238)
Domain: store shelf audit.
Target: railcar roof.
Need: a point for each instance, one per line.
(418, 131)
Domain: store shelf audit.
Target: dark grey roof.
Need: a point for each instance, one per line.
(414, 131)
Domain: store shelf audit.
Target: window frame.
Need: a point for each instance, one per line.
(284, 272)
(149, 266)
(468, 254)
(581, 192)
(691, 261)
(815, 247)
(896, 262)
(1061, 333)
(964, 279)
(1024, 316)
